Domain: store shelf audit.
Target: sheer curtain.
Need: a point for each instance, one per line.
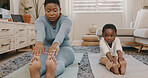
(131, 8)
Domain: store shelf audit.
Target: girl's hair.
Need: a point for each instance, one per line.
(52, 1)
(109, 26)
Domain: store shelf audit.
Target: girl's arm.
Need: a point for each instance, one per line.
(120, 56)
(110, 57)
(119, 49)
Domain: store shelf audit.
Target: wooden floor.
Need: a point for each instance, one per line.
(136, 45)
(13, 54)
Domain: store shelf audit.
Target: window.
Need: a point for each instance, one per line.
(86, 6)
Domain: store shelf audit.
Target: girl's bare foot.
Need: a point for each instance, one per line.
(51, 65)
(109, 65)
(35, 67)
(122, 67)
(115, 68)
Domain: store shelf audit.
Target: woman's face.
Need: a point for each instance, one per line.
(109, 35)
(52, 11)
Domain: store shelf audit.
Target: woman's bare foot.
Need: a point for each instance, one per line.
(35, 67)
(115, 68)
(51, 65)
(122, 67)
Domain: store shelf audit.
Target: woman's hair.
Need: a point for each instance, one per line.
(52, 1)
(109, 26)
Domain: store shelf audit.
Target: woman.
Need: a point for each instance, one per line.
(52, 51)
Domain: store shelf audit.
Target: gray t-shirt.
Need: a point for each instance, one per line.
(48, 34)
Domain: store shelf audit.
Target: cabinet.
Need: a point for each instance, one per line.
(16, 35)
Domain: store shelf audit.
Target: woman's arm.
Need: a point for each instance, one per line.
(63, 31)
(40, 30)
(40, 36)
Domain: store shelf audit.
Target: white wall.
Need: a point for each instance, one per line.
(81, 22)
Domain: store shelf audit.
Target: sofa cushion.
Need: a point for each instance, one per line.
(125, 31)
(90, 38)
(137, 20)
(141, 20)
(126, 39)
(120, 31)
(141, 33)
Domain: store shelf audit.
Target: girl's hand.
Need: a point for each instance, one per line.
(114, 60)
(120, 58)
(54, 48)
(38, 49)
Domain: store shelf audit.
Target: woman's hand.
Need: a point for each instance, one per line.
(38, 49)
(54, 48)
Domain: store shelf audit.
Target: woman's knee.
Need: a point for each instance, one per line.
(67, 54)
(60, 67)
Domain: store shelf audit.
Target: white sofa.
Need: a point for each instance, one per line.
(137, 34)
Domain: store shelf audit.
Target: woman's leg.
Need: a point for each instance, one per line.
(64, 58)
(35, 67)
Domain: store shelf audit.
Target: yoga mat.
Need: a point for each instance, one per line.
(135, 68)
(70, 71)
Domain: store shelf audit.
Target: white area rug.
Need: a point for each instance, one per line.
(135, 68)
(70, 71)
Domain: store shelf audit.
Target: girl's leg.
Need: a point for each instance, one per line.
(35, 67)
(122, 67)
(116, 58)
(115, 68)
(105, 61)
(51, 65)
(109, 65)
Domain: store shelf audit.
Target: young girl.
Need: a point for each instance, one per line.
(111, 50)
(52, 31)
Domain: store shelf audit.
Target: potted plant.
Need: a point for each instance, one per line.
(26, 15)
(36, 8)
